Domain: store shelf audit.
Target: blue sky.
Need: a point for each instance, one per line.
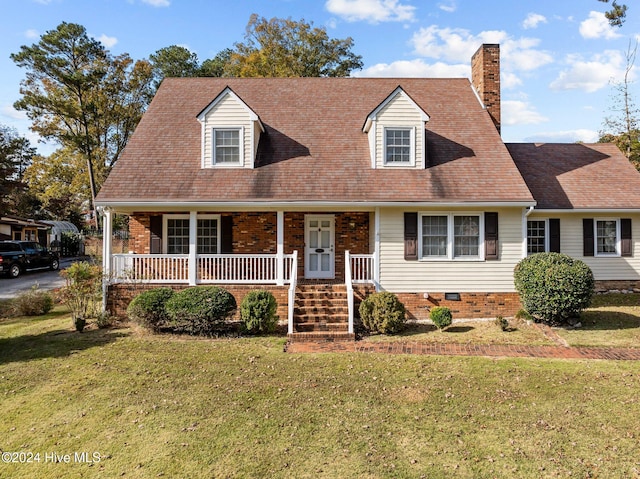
(558, 57)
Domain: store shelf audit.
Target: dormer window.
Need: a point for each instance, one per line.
(396, 131)
(399, 146)
(227, 146)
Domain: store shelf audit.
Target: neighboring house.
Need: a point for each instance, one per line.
(22, 229)
(325, 189)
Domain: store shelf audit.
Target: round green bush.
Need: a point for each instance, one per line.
(148, 308)
(382, 313)
(200, 310)
(553, 286)
(258, 312)
(441, 316)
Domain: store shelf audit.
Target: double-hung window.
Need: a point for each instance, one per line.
(227, 146)
(399, 146)
(607, 237)
(177, 234)
(536, 236)
(452, 236)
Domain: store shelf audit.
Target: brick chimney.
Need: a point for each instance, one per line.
(485, 77)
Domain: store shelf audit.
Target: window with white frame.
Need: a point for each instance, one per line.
(452, 236)
(398, 146)
(207, 236)
(227, 146)
(177, 234)
(536, 236)
(607, 237)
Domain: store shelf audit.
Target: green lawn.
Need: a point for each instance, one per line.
(162, 406)
(613, 320)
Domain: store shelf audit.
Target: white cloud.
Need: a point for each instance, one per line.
(509, 80)
(157, 3)
(591, 75)
(597, 26)
(415, 69)
(566, 136)
(533, 20)
(458, 45)
(9, 111)
(107, 41)
(373, 11)
(31, 34)
(449, 6)
(516, 112)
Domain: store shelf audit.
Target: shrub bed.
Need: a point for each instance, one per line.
(258, 312)
(382, 313)
(148, 308)
(553, 286)
(200, 310)
(441, 317)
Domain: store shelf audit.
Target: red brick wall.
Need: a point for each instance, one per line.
(471, 305)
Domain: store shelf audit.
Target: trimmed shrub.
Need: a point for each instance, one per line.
(502, 323)
(441, 317)
(258, 312)
(34, 302)
(382, 313)
(523, 315)
(148, 308)
(553, 286)
(104, 320)
(200, 310)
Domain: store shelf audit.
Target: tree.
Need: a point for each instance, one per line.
(617, 15)
(76, 94)
(58, 182)
(214, 67)
(16, 154)
(623, 128)
(286, 48)
(174, 61)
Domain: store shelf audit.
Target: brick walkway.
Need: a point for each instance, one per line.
(487, 350)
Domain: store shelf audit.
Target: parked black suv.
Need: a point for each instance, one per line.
(19, 256)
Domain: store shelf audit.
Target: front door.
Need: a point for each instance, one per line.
(319, 257)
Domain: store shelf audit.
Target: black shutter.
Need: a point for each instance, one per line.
(155, 228)
(587, 237)
(491, 236)
(411, 236)
(625, 236)
(226, 227)
(554, 235)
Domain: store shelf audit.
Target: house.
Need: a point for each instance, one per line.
(23, 229)
(323, 190)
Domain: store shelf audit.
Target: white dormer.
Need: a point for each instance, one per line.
(396, 133)
(230, 132)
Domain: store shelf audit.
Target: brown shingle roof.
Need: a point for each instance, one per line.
(314, 148)
(577, 175)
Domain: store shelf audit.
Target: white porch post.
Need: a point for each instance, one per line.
(107, 250)
(376, 251)
(280, 248)
(193, 248)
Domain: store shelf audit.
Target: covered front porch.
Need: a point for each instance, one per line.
(265, 249)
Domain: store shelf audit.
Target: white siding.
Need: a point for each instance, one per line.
(423, 276)
(399, 112)
(229, 113)
(604, 268)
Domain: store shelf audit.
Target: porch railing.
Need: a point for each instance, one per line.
(293, 283)
(242, 268)
(223, 268)
(348, 279)
(362, 267)
(150, 268)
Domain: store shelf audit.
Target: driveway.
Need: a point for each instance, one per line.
(45, 279)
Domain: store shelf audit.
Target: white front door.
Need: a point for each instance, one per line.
(319, 257)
